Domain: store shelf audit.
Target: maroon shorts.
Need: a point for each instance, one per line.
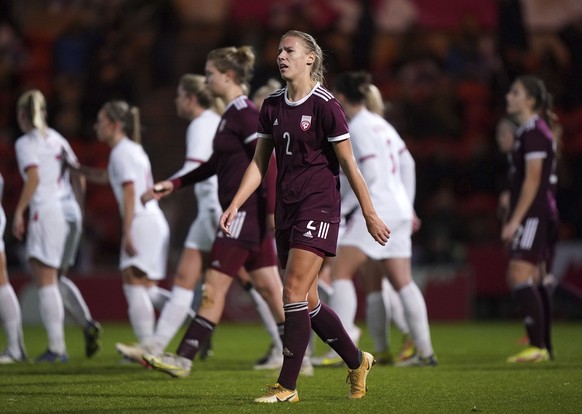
(228, 256)
(314, 236)
(534, 240)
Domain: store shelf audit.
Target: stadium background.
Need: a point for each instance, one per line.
(442, 65)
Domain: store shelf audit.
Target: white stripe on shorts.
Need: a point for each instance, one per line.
(529, 233)
(323, 230)
(237, 224)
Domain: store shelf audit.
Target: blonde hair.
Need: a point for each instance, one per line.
(374, 101)
(195, 85)
(317, 69)
(33, 104)
(240, 60)
(128, 116)
(260, 94)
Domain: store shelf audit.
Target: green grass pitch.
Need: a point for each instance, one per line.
(472, 377)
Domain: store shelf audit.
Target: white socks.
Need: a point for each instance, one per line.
(394, 309)
(52, 313)
(73, 301)
(140, 311)
(377, 321)
(12, 319)
(416, 315)
(267, 318)
(345, 303)
(172, 316)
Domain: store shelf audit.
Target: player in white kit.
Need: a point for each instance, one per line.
(38, 153)
(10, 314)
(195, 103)
(145, 231)
(385, 164)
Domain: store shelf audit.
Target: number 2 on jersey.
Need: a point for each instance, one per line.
(287, 137)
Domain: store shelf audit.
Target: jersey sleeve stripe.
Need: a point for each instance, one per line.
(263, 135)
(321, 95)
(251, 138)
(535, 155)
(339, 138)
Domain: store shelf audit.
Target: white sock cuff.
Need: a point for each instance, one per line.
(342, 283)
(181, 295)
(410, 289)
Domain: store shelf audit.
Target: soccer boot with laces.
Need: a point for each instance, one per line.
(277, 393)
(92, 333)
(530, 354)
(174, 365)
(357, 377)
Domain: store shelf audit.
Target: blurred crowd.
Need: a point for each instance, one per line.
(442, 66)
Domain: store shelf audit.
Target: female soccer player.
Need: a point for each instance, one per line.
(306, 126)
(249, 245)
(10, 315)
(195, 103)
(43, 148)
(531, 227)
(38, 154)
(145, 231)
(388, 169)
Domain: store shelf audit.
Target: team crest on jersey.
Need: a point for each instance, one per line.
(305, 122)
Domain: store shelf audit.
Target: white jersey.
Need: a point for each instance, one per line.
(128, 163)
(199, 138)
(34, 149)
(377, 149)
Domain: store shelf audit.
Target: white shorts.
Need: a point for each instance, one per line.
(46, 234)
(203, 230)
(74, 220)
(151, 236)
(2, 228)
(399, 244)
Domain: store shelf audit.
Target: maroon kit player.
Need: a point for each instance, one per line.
(249, 244)
(531, 228)
(307, 127)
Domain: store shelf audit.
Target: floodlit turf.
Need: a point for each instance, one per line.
(472, 377)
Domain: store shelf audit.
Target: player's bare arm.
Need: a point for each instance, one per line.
(250, 182)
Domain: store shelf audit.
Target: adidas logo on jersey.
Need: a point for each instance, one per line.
(308, 234)
(276, 122)
(215, 263)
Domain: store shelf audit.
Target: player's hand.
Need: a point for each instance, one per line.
(227, 218)
(158, 191)
(508, 231)
(377, 229)
(18, 226)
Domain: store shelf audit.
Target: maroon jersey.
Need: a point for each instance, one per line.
(307, 168)
(534, 140)
(233, 148)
